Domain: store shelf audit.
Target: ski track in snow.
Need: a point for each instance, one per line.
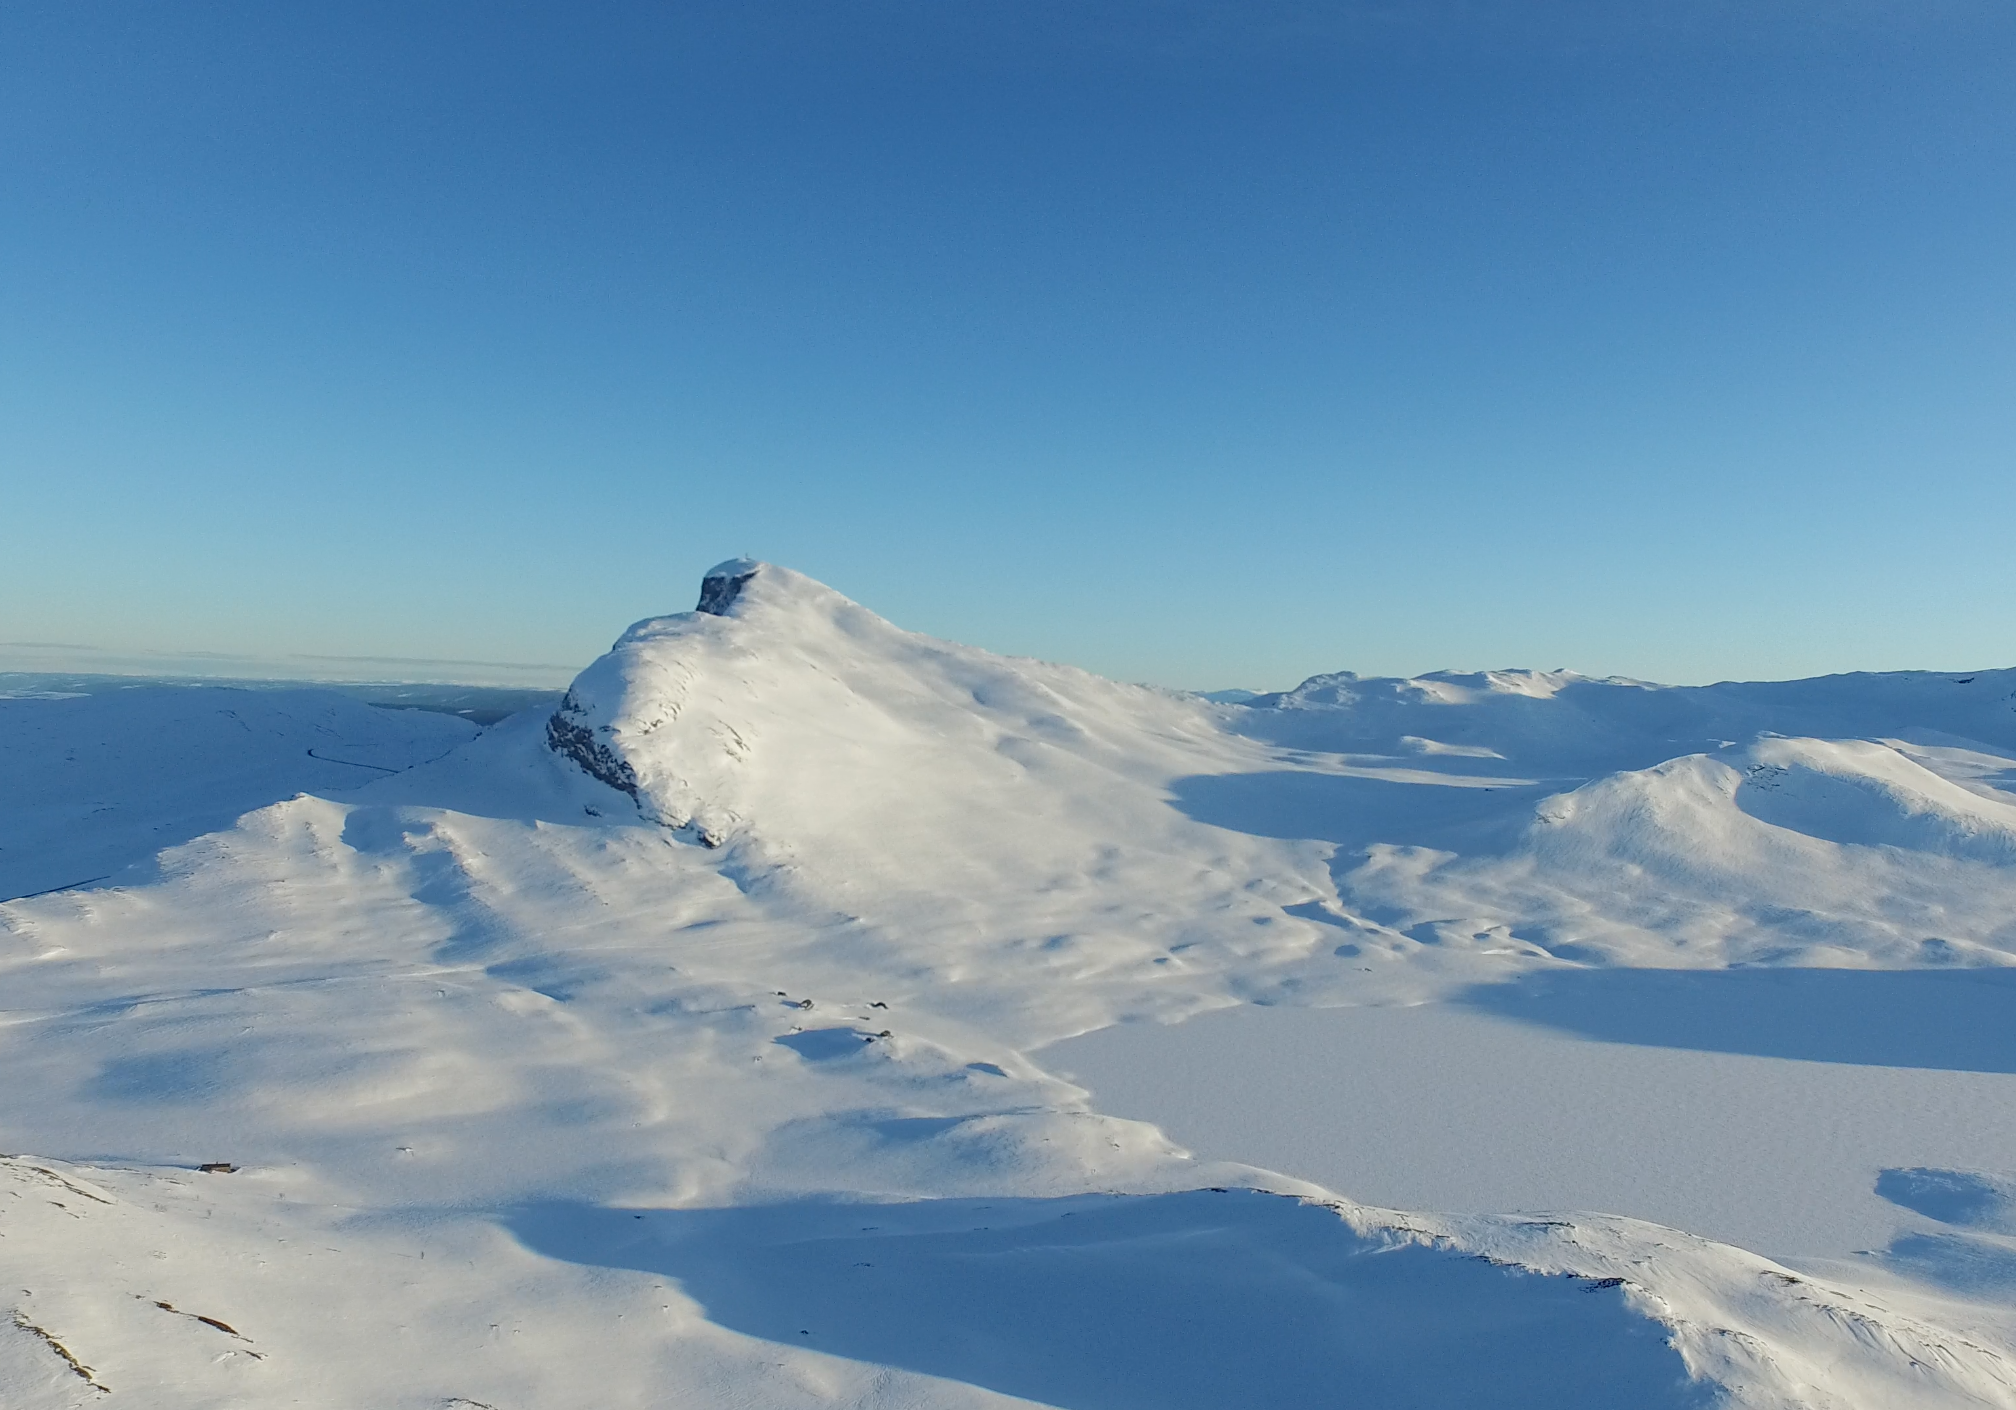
(689, 1047)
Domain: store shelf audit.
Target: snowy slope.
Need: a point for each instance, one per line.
(676, 1049)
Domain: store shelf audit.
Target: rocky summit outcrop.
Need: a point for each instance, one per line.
(724, 583)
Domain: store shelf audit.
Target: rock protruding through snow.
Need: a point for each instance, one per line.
(724, 583)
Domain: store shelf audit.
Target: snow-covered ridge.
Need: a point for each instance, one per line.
(1558, 721)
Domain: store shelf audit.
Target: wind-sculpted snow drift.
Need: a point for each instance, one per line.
(675, 1048)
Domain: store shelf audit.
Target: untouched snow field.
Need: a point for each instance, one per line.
(1450, 1107)
(692, 1044)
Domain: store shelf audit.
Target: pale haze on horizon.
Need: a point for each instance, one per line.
(1200, 344)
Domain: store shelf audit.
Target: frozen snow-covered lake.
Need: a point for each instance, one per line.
(1760, 1109)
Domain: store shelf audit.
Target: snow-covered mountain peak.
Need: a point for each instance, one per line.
(742, 587)
(652, 717)
(783, 714)
(783, 604)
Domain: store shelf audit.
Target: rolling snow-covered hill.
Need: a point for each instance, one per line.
(686, 1045)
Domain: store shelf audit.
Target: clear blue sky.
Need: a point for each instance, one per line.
(1205, 343)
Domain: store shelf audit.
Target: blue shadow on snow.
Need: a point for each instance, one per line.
(1966, 1199)
(1973, 1264)
(1953, 1019)
(1193, 1301)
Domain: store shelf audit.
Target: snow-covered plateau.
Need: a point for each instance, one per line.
(794, 1018)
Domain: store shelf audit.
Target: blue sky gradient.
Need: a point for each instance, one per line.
(1209, 344)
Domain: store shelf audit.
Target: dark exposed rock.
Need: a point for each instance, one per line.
(718, 591)
(578, 742)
